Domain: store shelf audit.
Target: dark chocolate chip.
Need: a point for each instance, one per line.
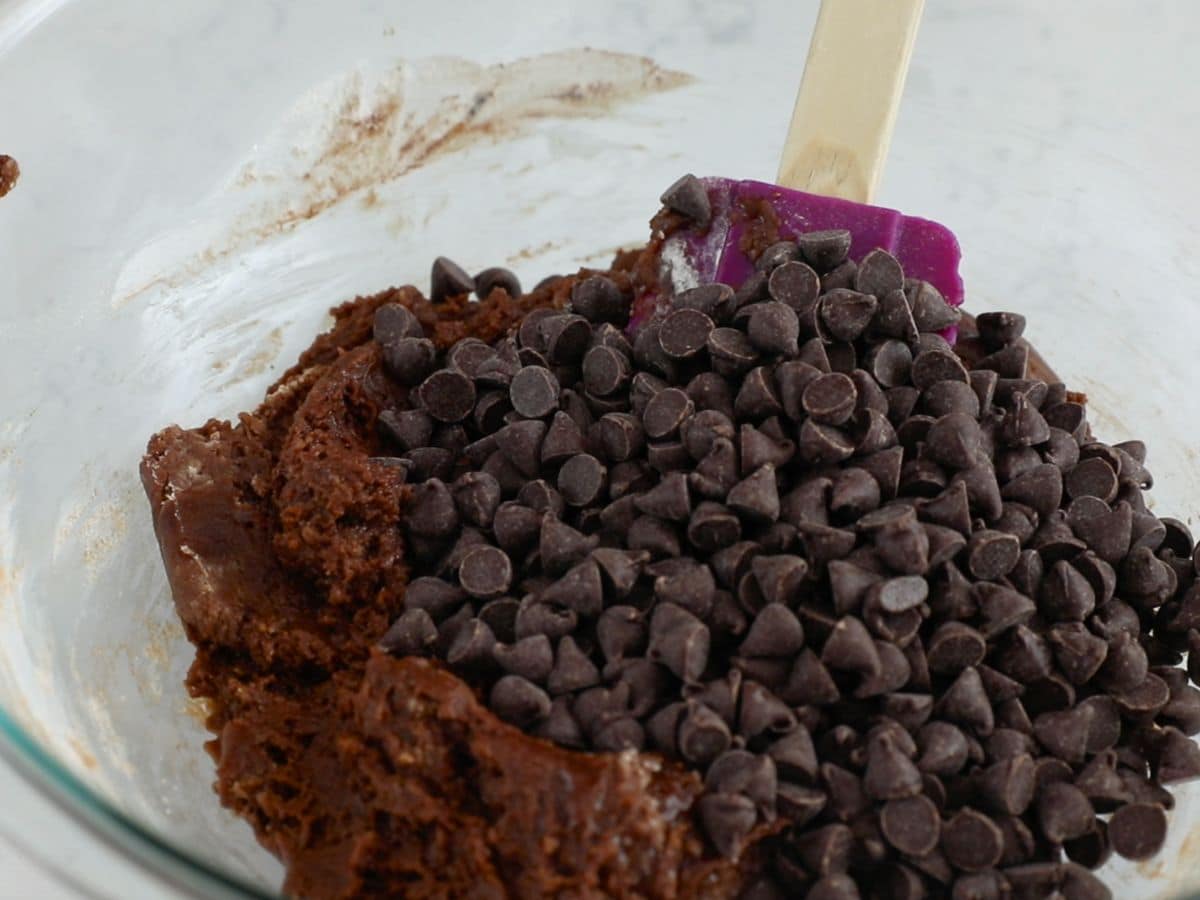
(448, 279)
(775, 631)
(756, 497)
(931, 366)
(1008, 786)
(414, 632)
(846, 313)
(598, 299)
(684, 332)
(879, 273)
(890, 774)
(1138, 830)
(1064, 733)
(409, 359)
(485, 572)
(521, 444)
(997, 329)
(679, 641)
(519, 701)
(966, 702)
(911, 825)
(972, 841)
(561, 546)
(702, 735)
(824, 249)
(582, 480)
(931, 312)
(1063, 812)
(665, 412)
(531, 657)
(688, 197)
(795, 284)
(774, 328)
(534, 392)
(496, 278)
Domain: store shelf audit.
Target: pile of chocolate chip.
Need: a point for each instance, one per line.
(905, 611)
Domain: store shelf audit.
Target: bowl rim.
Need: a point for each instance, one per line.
(175, 866)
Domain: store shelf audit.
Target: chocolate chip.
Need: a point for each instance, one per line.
(581, 480)
(730, 351)
(824, 249)
(518, 701)
(521, 444)
(823, 444)
(412, 633)
(573, 670)
(394, 322)
(931, 366)
(762, 712)
(531, 658)
(684, 332)
(997, 329)
(679, 641)
(911, 825)
(794, 283)
(829, 399)
(966, 702)
(472, 645)
(534, 392)
(485, 572)
(496, 278)
(955, 646)
(688, 197)
(846, 313)
(431, 510)
(727, 820)
(605, 371)
(598, 299)
(409, 359)
(409, 429)
(542, 618)
(1011, 361)
(992, 554)
(890, 774)
(702, 734)
(850, 648)
(775, 631)
(774, 328)
(665, 412)
(879, 273)
(448, 279)
(756, 497)
(834, 887)
(972, 841)
(1138, 830)
(930, 309)
(1063, 812)
(954, 440)
(1178, 757)
(561, 546)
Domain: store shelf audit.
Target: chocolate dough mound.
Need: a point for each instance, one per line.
(369, 775)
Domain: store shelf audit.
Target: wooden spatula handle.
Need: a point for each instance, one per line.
(842, 123)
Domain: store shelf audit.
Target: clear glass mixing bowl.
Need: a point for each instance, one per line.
(202, 180)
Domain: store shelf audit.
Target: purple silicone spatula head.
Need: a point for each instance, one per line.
(835, 148)
(697, 254)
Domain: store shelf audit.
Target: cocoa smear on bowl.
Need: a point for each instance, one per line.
(9, 173)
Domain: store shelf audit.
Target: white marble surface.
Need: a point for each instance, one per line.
(1056, 139)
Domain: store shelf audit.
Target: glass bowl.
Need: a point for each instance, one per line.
(203, 180)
